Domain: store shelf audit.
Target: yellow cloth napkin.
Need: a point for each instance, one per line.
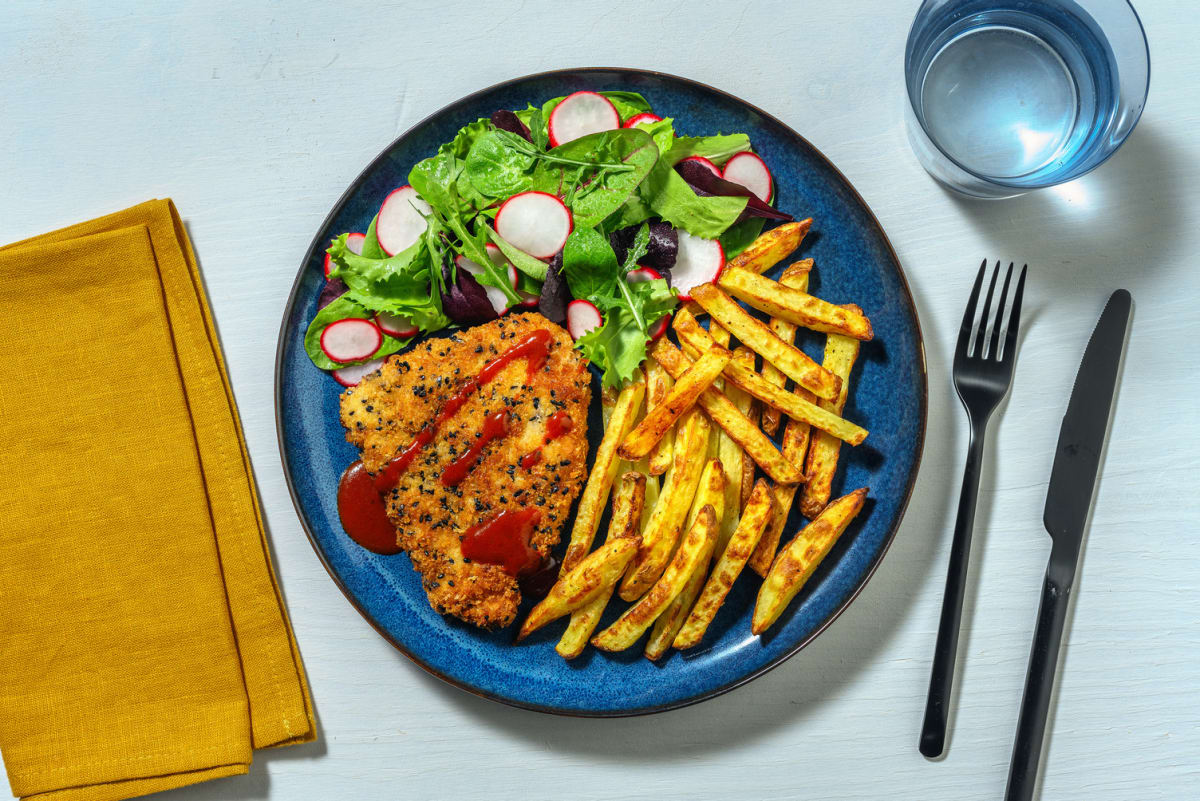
(144, 644)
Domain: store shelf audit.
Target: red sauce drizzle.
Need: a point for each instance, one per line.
(363, 515)
(559, 423)
(494, 426)
(504, 540)
(534, 348)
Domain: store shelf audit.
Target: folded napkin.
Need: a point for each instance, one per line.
(144, 644)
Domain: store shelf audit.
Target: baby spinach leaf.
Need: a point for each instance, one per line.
(496, 168)
(341, 309)
(739, 236)
(670, 197)
(597, 173)
(589, 264)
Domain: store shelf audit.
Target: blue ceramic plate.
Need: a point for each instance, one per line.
(854, 263)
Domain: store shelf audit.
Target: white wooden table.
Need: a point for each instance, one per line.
(254, 120)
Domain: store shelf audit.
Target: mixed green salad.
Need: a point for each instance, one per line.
(590, 208)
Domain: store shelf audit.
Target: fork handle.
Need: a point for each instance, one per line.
(941, 680)
(1039, 686)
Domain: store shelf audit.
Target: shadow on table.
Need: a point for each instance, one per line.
(1070, 235)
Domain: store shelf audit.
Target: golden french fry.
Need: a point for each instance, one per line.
(595, 492)
(793, 404)
(729, 566)
(754, 415)
(627, 505)
(688, 387)
(755, 334)
(771, 248)
(608, 402)
(668, 624)
(795, 443)
(722, 411)
(658, 384)
(661, 531)
(733, 458)
(796, 277)
(840, 353)
(710, 492)
(694, 550)
(793, 305)
(595, 573)
(796, 562)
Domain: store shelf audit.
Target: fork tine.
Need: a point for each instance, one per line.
(1014, 320)
(993, 351)
(968, 323)
(981, 340)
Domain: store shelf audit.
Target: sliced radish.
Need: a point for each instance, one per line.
(350, 376)
(400, 223)
(582, 316)
(580, 114)
(705, 163)
(535, 222)
(351, 339)
(659, 328)
(642, 274)
(751, 172)
(528, 299)
(638, 119)
(354, 244)
(495, 295)
(699, 261)
(395, 325)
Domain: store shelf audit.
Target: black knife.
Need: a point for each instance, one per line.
(1072, 483)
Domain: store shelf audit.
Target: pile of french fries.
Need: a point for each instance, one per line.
(680, 456)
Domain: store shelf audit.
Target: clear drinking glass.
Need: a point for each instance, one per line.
(1006, 96)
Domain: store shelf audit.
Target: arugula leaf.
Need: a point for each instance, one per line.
(739, 236)
(618, 347)
(530, 266)
(613, 165)
(589, 265)
(496, 168)
(340, 309)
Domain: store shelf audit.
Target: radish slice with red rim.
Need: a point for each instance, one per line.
(642, 274)
(699, 261)
(395, 325)
(705, 163)
(351, 339)
(528, 299)
(535, 222)
(751, 172)
(350, 376)
(638, 119)
(495, 295)
(582, 317)
(354, 244)
(400, 222)
(660, 328)
(580, 114)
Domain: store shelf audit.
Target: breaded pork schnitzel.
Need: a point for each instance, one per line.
(445, 487)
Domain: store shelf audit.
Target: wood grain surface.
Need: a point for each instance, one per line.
(254, 117)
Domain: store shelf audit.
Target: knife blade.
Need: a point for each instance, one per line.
(1084, 426)
(1072, 484)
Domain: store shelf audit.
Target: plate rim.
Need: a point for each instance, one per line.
(546, 708)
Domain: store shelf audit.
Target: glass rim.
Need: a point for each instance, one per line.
(1010, 184)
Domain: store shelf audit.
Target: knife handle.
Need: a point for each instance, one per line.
(941, 677)
(1039, 686)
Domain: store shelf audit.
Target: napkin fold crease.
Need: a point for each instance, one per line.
(144, 643)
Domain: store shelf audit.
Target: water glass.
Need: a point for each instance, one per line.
(1006, 96)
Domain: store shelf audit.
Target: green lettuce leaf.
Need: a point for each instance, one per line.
(717, 149)
(608, 167)
(400, 284)
(526, 264)
(341, 309)
(589, 265)
(618, 347)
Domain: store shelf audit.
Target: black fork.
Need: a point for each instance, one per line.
(982, 375)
